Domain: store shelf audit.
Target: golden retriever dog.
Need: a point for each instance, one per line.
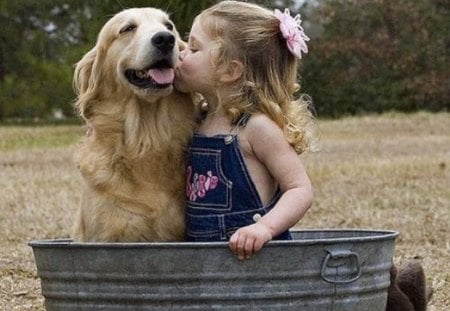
(138, 128)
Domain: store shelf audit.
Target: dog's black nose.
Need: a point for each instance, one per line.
(164, 41)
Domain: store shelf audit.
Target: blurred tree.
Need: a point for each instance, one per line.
(378, 55)
(32, 57)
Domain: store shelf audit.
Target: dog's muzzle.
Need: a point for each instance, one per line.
(161, 73)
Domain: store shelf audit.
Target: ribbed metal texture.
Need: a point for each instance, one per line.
(318, 270)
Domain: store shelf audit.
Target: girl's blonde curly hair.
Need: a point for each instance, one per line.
(251, 34)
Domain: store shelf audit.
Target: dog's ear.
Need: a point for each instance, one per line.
(87, 77)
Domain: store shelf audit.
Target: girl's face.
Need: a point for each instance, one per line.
(195, 72)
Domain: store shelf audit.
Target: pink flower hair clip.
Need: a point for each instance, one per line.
(292, 32)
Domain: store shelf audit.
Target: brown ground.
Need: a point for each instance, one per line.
(383, 172)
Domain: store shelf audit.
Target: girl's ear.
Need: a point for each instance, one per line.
(233, 72)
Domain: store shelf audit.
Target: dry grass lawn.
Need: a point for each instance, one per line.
(384, 172)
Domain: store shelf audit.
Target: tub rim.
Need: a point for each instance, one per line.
(372, 235)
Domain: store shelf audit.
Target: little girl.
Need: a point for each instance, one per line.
(245, 181)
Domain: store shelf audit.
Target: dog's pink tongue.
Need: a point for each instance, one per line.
(162, 75)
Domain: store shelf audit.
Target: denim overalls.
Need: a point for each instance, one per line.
(221, 197)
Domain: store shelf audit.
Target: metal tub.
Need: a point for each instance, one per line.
(317, 270)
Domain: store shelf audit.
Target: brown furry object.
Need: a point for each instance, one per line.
(132, 158)
(408, 291)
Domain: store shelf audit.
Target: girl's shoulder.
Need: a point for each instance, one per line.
(262, 129)
(265, 138)
(260, 122)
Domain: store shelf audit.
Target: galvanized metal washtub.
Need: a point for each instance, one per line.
(318, 270)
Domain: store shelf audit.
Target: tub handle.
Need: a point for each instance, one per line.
(340, 254)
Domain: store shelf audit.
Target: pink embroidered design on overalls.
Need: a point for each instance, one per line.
(197, 185)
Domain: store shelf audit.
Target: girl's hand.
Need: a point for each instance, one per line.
(248, 240)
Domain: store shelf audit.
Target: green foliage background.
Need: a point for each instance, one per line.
(365, 55)
(379, 55)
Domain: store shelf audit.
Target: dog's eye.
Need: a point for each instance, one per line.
(127, 28)
(169, 26)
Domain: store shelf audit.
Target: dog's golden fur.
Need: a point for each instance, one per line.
(132, 158)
